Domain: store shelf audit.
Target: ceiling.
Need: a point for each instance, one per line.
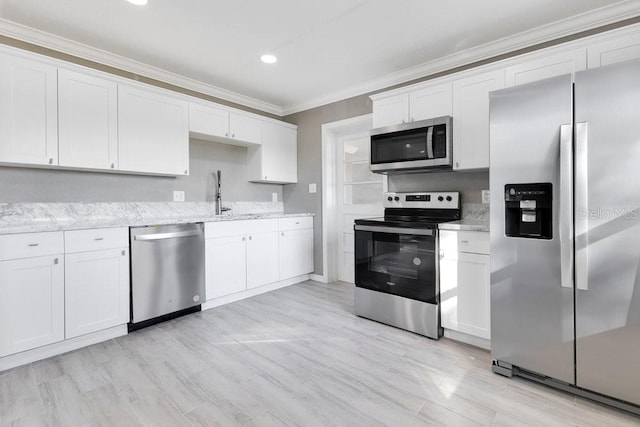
(327, 49)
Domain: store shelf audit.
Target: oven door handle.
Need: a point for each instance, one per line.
(395, 230)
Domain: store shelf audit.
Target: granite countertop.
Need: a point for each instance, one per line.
(465, 225)
(475, 217)
(40, 217)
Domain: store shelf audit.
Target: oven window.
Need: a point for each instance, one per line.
(398, 264)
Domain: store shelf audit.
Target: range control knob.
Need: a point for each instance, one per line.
(390, 198)
(440, 198)
(397, 199)
(448, 198)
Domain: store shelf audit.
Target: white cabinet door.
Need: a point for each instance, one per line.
(429, 102)
(96, 291)
(262, 259)
(296, 253)
(546, 67)
(393, 110)
(276, 159)
(613, 51)
(471, 119)
(464, 293)
(88, 121)
(153, 132)
(31, 303)
(28, 112)
(245, 128)
(208, 121)
(226, 266)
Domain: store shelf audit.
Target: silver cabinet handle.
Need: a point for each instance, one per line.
(265, 177)
(55, 261)
(50, 160)
(566, 207)
(226, 134)
(464, 241)
(98, 238)
(282, 234)
(186, 172)
(244, 238)
(250, 238)
(113, 165)
(33, 244)
(162, 236)
(233, 135)
(581, 208)
(124, 253)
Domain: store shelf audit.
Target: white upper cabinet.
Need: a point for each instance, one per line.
(28, 112)
(87, 121)
(207, 121)
(245, 128)
(424, 103)
(153, 132)
(391, 111)
(431, 101)
(615, 50)
(544, 67)
(276, 159)
(471, 119)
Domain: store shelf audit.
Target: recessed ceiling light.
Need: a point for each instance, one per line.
(138, 2)
(268, 59)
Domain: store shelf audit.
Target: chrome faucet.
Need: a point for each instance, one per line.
(219, 208)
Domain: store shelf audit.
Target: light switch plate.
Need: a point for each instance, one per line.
(313, 188)
(485, 196)
(274, 197)
(178, 196)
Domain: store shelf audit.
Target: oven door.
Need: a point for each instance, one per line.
(397, 261)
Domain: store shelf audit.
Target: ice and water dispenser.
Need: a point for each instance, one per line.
(528, 210)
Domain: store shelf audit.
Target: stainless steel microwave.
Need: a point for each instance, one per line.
(418, 146)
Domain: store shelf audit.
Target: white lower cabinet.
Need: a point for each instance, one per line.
(31, 291)
(296, 246)
(262, 259)
(464, 282)
(96, 280)
(226, 266)
(240, 255)
(247, 254)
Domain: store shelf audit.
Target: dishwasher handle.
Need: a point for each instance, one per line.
(163, 236)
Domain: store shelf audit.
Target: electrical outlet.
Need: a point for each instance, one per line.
(274, 197)
(485, 196)
(178, 196)
(313, 188)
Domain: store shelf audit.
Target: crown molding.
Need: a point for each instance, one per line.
(546, 33)
(556, 30)
(40, 38)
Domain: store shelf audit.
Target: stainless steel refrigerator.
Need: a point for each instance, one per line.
(565, 232)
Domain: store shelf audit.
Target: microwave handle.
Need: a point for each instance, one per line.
(430, 142)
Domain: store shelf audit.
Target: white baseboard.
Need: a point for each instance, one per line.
(65, 346)
(318, 278)
(216, 302)
(468, 339)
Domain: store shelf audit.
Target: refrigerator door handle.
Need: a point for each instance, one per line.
(566, 206)
(582, 208)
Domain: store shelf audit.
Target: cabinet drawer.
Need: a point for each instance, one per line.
(464, 241)
(239, 228)
(29, 245)
(96, 239)
(295, 223)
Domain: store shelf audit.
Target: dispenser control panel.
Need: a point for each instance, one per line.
(528, 210)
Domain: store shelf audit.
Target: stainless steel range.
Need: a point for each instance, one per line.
(396, 263)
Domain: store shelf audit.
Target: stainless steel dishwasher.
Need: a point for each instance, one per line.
(167, 272)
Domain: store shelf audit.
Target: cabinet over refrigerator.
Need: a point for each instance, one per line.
(565, 232)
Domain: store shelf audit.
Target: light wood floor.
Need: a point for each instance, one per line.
(294, 357)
